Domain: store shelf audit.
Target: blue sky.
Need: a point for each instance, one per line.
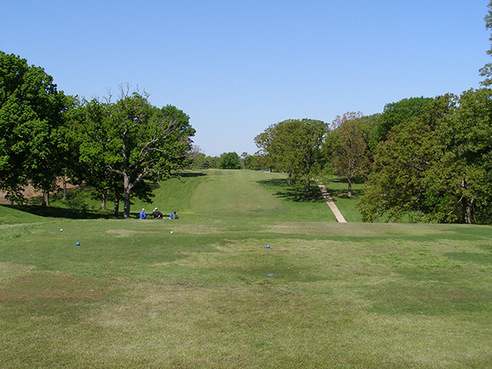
(236, 67)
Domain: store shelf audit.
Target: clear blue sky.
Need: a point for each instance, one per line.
(236, 67)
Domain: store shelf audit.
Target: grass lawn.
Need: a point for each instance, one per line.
(211, 295)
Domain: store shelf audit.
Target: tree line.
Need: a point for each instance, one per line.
(113, 145)
(227, 160)
(427, 158)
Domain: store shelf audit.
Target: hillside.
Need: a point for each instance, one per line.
(220, 193)
(212, 193)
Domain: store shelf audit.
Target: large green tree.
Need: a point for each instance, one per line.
(133, 140)
(347, 147)
(437, 165)
(396, 113)
(33, 147)
(398, 184)
(230, 160)
(295, 147)
(466, 163)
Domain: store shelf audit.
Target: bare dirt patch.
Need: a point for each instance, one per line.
(30, 192)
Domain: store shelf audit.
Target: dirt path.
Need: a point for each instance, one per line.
(331, 203)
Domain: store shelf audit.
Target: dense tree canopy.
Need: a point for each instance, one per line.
(131, 140)
(437, 165)
(33, 148)
(394, 114)
(295, 147)
(230, 160)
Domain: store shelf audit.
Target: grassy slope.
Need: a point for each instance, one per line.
(210, 295)
(236, 194)
(9, 215)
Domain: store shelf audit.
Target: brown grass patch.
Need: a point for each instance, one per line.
(48, 287)
(123, 232)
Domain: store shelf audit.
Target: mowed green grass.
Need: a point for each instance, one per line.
(211, 295)
(226, 194)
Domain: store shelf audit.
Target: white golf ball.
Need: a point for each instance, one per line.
(61, 229)
(172, 232)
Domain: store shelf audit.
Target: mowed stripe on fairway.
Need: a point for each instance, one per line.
(235, 193)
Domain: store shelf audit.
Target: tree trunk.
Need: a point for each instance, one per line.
(64, 179)
(116, 208)
(467, 211)
(349, 193)
(308, 184)
(126, 196)
(103, 200)
(466, 206)
(46, 198)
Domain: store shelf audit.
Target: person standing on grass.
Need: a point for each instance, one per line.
(142, 215)
(173, 216)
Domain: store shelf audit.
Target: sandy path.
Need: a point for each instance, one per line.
(331, 203)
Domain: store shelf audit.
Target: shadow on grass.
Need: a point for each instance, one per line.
(342, 192)
(55, 212)
(157, 184)
(293, 193)
(196, 174)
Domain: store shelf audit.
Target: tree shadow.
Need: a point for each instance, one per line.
(194, 174)
(80, 210)
(55, 212)
(342, 193)
(293, 193)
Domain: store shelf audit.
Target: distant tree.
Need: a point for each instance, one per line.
(205, 164)
(196, 157)
(294, 146)
(244, 155)
(135, 140)
(33, 146)
(347, 147)
(230, 160)
(248, 162)
(210, 162)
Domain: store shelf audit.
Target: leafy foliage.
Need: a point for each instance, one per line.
(33, 148)
(436, 166)
(295, 147)
(230, 160)
(347, 145)
(394, 114)
(130, 140)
